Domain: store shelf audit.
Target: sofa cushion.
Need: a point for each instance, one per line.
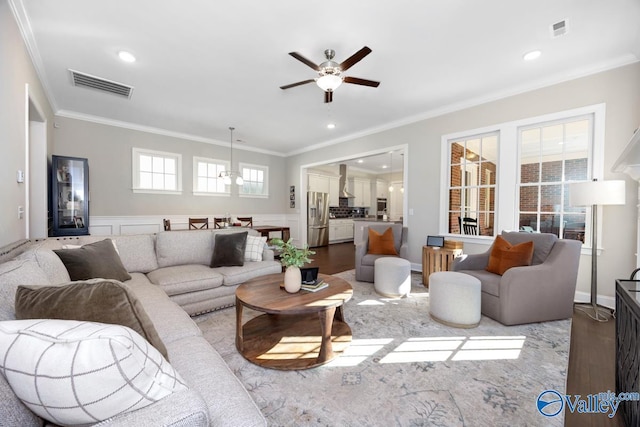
(542, 243)
(504, 255)
(490, 281)
(184, 247)
(94, 260)
(48, 261)
(137, 252)
(228, 250)
(14, 412)
(71, 372)
(255, 248)
(12, 274)
(250, 270)
(370, 259)
(381, 243)
(97, 300)
(180, 279)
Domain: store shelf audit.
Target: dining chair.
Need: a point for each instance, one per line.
(198, 223)
(468, 226)
(246, 221)
(219, 222)
(167, 224)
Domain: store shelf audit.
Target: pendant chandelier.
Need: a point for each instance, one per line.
(229, 176)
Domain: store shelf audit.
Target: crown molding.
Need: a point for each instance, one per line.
(164, 132)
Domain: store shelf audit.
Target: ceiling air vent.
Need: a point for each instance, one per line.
(98, 83)
(559, 28)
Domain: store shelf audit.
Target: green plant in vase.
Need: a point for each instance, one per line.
(292, 258)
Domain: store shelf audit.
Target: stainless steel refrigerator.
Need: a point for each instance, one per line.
(317, 219)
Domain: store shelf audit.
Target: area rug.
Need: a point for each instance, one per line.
(405, 369)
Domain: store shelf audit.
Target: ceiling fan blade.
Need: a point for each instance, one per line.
(304, 60)
(328, 97)
(304, 82)
(363, 82)
(353, 59)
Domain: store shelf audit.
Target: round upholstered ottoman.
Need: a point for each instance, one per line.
(392, 276)
(454, 299)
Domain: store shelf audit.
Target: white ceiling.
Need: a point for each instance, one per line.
(204, 65)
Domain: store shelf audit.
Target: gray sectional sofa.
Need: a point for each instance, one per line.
(171, 277)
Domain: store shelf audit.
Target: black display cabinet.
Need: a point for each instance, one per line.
(69, 196)
(628, 347)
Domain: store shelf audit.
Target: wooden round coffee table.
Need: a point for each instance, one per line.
(296, 331)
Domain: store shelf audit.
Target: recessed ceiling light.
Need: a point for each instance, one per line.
(360, 161)
(331, 126)
(126, 56)
(384, 166)
(530, 56)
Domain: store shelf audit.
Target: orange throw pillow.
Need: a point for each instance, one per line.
(504, 256)
(381, 244)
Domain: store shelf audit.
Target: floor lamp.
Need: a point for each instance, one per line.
(594, 193)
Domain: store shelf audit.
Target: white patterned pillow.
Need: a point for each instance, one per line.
(70, 372)
(255, 247)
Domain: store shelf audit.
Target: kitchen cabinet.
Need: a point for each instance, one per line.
(69, 196)
(325, 184)
(382, 189)
(396, 201)
(340, 230)
(319, 183)
(361, 189)
(334, 191)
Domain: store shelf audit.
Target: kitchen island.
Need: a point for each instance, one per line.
(360, 223)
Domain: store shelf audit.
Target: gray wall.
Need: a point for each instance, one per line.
(618, 88)
(108, 149)
(16, 70)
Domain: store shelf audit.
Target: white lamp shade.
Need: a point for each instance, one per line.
(597, 193)
(329, 82)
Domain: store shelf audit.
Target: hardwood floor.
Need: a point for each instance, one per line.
(591, 355)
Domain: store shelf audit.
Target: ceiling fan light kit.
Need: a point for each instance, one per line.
(329, 72)
(329, 82)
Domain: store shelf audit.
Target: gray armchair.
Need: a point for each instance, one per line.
(537, 293)
(365, 261)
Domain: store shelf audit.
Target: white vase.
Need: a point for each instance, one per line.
(292, 279)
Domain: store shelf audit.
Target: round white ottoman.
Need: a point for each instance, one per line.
(392, 276)
(454, 299)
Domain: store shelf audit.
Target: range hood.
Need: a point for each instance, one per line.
(343, 183)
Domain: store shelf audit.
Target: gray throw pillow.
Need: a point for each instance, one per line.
(92, 261)
(229, 249)
(97, 300)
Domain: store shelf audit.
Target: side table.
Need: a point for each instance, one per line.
(436, 259)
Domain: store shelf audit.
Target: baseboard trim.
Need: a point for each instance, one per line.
(603, 300)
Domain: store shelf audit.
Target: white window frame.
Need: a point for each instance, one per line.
(469, 180)
(563, 181)
(508, 169)
(265, 186)
(199, 192)
(135, 168)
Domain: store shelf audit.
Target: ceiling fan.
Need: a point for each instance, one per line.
(329, 72)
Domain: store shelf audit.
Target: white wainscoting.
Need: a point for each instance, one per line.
(148, 224)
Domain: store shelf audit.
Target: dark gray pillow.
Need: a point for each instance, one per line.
(93, 261)
(228, 249)
(97, 300)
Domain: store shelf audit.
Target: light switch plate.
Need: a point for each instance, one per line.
(20, 176)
